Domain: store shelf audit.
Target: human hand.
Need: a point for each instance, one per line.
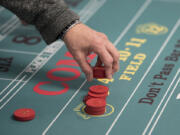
(82, 41)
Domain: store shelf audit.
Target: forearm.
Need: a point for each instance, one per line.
(49, 16)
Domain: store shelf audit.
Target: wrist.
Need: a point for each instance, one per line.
(68, 27)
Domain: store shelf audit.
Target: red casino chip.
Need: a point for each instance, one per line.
(24, 114)
(97, 95)
(95, 112)
(89, 109)
(99, 72)
(96, 103)
(99, 89)
(86, 98)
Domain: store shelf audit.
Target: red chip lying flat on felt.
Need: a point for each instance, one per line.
(99, 89)
(96, 102)
(24, 114)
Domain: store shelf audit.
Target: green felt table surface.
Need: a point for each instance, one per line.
(144, 95)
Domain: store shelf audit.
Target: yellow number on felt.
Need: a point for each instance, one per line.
(106, 81)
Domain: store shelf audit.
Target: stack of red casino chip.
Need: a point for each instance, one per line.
(97, 91)
(96, 100)
(99, 72)
(95, 106)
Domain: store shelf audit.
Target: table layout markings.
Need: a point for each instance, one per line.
(11, 29)
(149, 123)
(162, 110)
(13, 95)
(154, 60)
(12, 89)
(9, 23)
(8, 27)
(13, 80)
(11, 20)
(7, 79)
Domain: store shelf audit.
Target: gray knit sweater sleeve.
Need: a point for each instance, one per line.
(49, 16)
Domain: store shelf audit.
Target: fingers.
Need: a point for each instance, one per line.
(107, 60)
(115, 54)
(84, 65)
(109, 56)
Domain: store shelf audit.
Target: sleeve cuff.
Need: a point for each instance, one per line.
(67, 28)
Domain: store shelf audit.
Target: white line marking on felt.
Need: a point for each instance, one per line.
(61, 111)
(13, 19)
(15, 79)
(12, 89)
(9, 24)
(155, 112)
(121, 35)
(8, 86)
(154, 60)
(15, 51)
(8, 27)
(156, 121)
(7, 79)
(11, 29)
(13, 95)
